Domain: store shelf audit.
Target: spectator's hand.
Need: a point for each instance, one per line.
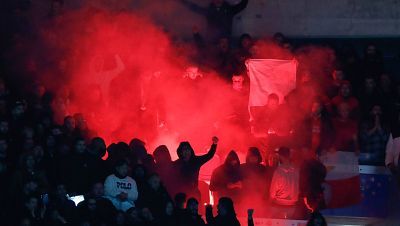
(215, 140)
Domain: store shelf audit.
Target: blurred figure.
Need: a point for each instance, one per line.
(192, 216)
(153, 196)
(345, 96)
(284, 191)
(346, 131)
(393, 147)
(374, 134)
(226, 180)
(316, 219)
(121, 189)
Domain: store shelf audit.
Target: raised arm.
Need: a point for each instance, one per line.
(239, 7)
(195, 8)
(210, 154)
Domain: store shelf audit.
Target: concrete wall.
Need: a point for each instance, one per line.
(320, 18)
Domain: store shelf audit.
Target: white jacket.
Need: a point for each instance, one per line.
(284, 188)
(113, 186)
(392, 151)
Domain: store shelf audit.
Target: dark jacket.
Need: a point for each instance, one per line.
(226, 174)
(188, 172)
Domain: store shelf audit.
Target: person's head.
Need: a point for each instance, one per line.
(223, 44)
(338, 75)
(185, 151)
(371, 50)
(273, 160)
(376, 110)
(345, 89)
(385, 82)
(369, 84)
(161, 155)
(122, 168)
(97, 189)
(232, 160)
(80, 145)
(29, 161)
(30, 187)
(18, 109)
(97, 146)
(316, 219)
(69, 123)
(316, 108)
(80, 121)
(56, 7)
(273, 101)
(31, 203)
(284, 155)
(217, 3)
(225, 207)
(245, 41)
(253, 156)
(147, 215)
(139, 172)
(237, 82)
(278, 38)
(91, 203)
(169, 208)
(180, 200)
(344, 110)
(154, 181)
(192, 205)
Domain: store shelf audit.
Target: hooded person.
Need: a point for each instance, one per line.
(226, 180)
(121, 189)
(254, 174)
(187, 167)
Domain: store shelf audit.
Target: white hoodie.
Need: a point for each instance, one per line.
(113, 186)
(392, 151)
(285, 186)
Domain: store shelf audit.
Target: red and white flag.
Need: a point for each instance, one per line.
(270, 76)
(342, 180)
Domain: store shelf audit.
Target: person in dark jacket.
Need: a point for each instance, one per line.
(226, 214)
(192, 216)
(188, 166)
(255, 176)
(219, 16)
(226, 180)
(154, 196)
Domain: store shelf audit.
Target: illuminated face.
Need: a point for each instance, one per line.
(123, 170)
(192, 73)
(237, 82)
(98, 189)
(338, 75)
(80, 146)
(169, 209)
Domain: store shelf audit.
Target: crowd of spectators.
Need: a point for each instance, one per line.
(45, 165)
